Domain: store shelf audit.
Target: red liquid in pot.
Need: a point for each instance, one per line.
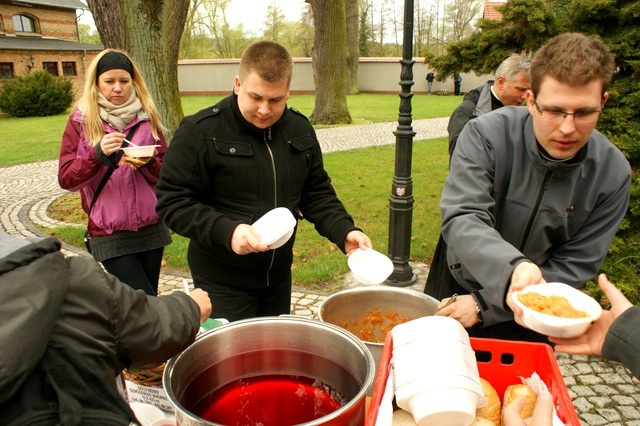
(273, 400)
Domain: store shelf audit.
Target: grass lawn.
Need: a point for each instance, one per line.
(365, 193)
(364, 190)
(32, 139)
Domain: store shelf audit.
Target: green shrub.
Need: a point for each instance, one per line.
(36, 94)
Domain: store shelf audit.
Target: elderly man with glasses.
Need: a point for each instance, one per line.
(535, 194)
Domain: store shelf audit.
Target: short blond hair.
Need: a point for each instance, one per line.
(270, 60)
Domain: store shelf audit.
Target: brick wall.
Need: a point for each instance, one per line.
(21, 63)
(50, 22)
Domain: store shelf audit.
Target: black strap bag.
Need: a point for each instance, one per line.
(103, 182)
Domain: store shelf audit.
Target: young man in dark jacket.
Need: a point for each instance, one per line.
(230, 164)
(67, 329)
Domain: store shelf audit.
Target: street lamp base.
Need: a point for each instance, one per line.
(401, 281)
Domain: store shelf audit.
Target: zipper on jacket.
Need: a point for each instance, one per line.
(543, 189)
(267, 137)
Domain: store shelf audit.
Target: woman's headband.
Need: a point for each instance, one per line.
(114, 61)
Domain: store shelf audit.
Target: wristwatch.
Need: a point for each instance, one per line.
(478, 313)
(479, 304)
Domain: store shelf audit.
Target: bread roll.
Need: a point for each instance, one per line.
(491, 411)
(515, 391)
(403, 418)
(481, 421)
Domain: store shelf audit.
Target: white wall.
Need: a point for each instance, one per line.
(374, 75)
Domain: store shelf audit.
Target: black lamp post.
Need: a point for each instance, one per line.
(401, 199)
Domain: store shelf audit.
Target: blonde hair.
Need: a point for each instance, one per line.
(88, 103)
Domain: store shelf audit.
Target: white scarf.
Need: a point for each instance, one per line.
(118, 116)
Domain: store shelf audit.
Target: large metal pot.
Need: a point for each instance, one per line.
(265, 346)
(350, 306)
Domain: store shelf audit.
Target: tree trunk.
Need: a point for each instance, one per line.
(330, 62)
(150, 31)
(353, 33)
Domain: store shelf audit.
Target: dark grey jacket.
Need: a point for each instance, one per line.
(71, 301)
(623, 340)
(503, 203)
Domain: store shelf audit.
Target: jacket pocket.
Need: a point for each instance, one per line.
(301, 161)
(234, 149)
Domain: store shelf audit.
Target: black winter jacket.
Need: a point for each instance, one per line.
(221, 171)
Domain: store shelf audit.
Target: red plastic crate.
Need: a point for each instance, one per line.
(502, 363)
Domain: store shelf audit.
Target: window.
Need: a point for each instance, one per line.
(52, 67)
(68, 68)
(6, 69)
(22, 23)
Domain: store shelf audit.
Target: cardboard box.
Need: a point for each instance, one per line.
(501, 362)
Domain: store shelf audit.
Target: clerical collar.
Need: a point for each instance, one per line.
(546, 156)
(495, 101)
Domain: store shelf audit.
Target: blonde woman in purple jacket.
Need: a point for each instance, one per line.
(127, 235)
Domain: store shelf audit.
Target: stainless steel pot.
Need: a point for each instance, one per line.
(287, 345)
(349, 306)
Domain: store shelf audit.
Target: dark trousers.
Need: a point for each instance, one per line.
(248, 300)
(440, 284)
(139, 270)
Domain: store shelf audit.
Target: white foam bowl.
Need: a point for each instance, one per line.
(369, 266)
(140, 151)
(275, 227)
(554, 326)
(444, 407)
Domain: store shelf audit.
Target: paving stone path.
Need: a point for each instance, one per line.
(603, 392)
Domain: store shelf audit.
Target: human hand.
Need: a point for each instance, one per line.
(135, 163)
(201, 297)
(524, 274)
(246, 240)
(590, 343)
(355, 240)
(462, 309)
(542, 413)
(111, 142)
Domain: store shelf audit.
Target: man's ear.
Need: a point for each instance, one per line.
(605, 98)
(236, 85)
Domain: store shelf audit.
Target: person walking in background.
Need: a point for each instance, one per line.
(68, 329)
(231, 163)
(535, 193)
(457, 81)
(126, 233)
(431, 75)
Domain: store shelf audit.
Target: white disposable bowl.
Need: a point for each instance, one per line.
(147, 414)
(275, 227)
(444, 407)
(140, 151)
(553, 326)
(369, 266)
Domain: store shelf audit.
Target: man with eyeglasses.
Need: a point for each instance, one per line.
(534, 193)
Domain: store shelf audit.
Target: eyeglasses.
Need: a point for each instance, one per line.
(558, 116)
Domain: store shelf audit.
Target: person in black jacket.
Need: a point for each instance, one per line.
(231, 163)
(68, 329)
